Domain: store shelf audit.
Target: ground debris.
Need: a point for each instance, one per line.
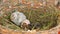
(4, 30)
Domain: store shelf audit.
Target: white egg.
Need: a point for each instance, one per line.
(17, 17)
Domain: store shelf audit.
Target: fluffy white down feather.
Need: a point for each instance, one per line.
(17, 17)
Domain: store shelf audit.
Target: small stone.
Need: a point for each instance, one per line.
(10, 7)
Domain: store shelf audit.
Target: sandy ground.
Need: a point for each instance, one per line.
(4, 30)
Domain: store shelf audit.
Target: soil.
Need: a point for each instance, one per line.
(4, 30)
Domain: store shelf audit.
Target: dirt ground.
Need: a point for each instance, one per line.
(4, 30)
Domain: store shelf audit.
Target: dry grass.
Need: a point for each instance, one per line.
(42, 18)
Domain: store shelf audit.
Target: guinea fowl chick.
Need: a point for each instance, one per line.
(25, 24)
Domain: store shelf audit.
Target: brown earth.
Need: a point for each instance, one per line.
(4, 30)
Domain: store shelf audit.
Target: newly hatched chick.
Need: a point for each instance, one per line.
(25, 24)
(20, 19)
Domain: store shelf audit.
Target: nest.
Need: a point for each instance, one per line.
(41, 18)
